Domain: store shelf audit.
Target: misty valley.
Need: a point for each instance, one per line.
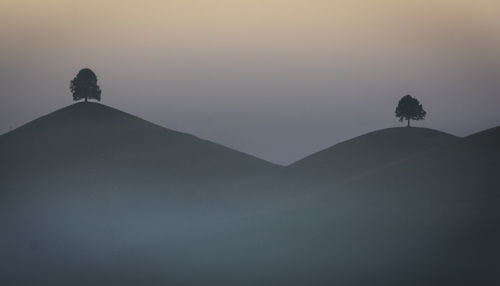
(90, 195)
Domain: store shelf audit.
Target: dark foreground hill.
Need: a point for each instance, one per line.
(431, 219)
(94, 138)
(451, 194)
(470, 163)
(94, 148)
(372, 151)
(106, 204)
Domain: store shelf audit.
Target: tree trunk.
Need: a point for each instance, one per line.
(85, 99)
(408, 123)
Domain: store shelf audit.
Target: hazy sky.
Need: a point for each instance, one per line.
(278, 79)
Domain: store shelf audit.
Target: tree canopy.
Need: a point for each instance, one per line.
(409, 108)
(84, 86)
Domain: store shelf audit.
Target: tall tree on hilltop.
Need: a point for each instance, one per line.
(409, 108)
(84, 86)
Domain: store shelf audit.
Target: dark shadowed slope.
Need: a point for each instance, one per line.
(371, 151)
(471, 163)
(451, 195)
(83, 202)
(88, 153)
(431, 219)
(86, 190)
(489, 137)
(94, 138)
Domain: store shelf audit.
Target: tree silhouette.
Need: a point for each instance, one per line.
(84, 86)
(409, 108)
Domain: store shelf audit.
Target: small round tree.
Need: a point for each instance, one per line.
(84, 86)
(409, 108)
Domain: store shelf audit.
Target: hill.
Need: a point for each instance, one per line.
(110, 199)
(372, 151)
(448, 195)
(466, 170)
(90, 160)
(430, 219)
(93, 138)
(82, 188)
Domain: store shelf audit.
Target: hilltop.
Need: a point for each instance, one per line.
(467, 166)
(94, 138)
(90, 195)
(87, 154)
(372, 150)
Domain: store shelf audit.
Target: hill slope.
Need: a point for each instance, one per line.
(95, 138)
(86, 184)
(78, 206)
(448, 195)
(467, 167)
(87, 155)
(430, 219)
(373, 150)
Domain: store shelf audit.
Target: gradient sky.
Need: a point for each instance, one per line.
(278, 79)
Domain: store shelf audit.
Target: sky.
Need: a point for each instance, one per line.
(278, 79)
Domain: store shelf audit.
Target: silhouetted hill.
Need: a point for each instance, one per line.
(81, 186)
(95, 138)
(464, 163)
(489, 137)
(450, 194)
(429, 219)
(96, 153)
(93, 196)
(373, 150)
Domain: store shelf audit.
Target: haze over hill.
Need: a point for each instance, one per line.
(93, 137)
(93, 196)
(90, 195)
(91, 149)
(373, 151)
